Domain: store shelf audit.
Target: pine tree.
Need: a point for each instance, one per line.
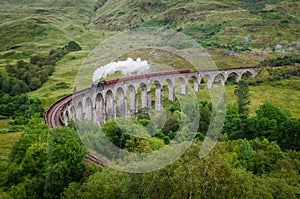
(243, 98)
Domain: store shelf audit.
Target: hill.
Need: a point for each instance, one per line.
(257, 156)
(235, 33)
(36, 27)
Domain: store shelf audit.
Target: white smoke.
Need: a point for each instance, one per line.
(125, 67)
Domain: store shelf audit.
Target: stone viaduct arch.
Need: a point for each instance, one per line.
(109, 105)
(125, 95)
(99, 109)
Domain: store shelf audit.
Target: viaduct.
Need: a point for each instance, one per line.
(119, 97)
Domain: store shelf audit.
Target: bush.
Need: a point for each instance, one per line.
(60, 85)
(73, 46)
(281, 61)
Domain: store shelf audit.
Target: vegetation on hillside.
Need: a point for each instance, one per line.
(224, 173)
(281, 61)
(255, 156)
(212, 23)
(30, 76)
(24, 77)
(43, 162)
(258, 152)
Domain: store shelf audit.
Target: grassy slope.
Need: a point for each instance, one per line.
(6, 142)
(39, 26)
(223, 22)
(35, 27)
(65, 71)
(284, 94)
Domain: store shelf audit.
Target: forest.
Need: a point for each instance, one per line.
(256, 156)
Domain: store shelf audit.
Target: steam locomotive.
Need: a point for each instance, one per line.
(124, 79)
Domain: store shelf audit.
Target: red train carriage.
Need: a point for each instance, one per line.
(112, 81)
(124, 79)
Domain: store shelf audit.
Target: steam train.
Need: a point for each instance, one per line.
(124, 79)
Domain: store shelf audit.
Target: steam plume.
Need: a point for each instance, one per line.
(125, 67)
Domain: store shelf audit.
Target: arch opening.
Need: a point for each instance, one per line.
(88, 109)
(181, 86)
(132, 101)
(109, 105)
(246, 75)
(120, 103)
(219, 80)
(99, 109)
(79, 111)
(168, 87)
(193, 80)
(206, 81)
(72, 113)
(232, 79)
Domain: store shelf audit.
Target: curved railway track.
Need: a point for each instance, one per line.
(53, 118)
(53, 114)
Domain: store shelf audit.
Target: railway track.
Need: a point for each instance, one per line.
(53, 117)
(53, 114)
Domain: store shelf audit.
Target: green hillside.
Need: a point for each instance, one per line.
(30, 27)
(221, 26)
(45, 43)
(235, 33)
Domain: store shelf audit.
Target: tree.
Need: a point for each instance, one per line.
(35, 83)
(266, 123)
(114, 133)
(214, 176)
(171, 124)
(57, 178)
(73, 46)
(271, 112)
(38, 60)
(243, 98)
(42, 75)
(143, 113)
(44, 162)
(19, 88)
(289, 133)
(36, 130)
(232, 125)
(205, 116)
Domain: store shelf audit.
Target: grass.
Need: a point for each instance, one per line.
(160, 60)
(7, 141)
(66, 71)
(279, 93)
(4, 123)
(36, 27)
(224, 21)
